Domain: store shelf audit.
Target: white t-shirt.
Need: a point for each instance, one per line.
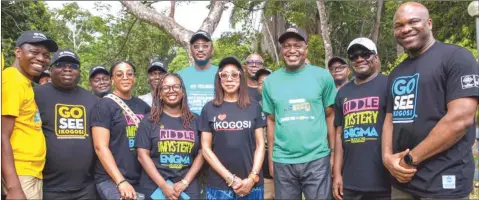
(147, 98)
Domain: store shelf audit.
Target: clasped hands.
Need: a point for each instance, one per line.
(242, 187)
(395, 164)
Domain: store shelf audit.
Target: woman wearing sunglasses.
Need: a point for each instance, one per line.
(168, 144)
(114, 122)
(232, 137)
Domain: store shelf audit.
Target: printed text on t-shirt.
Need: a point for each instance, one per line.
(131, 129)
(404, 92)
(175, 147)
(70, 121)
(360, 116)
(223, 125)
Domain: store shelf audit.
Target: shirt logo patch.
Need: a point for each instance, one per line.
(70, 121)
(404, 92)
(449, 182)
(470, 81)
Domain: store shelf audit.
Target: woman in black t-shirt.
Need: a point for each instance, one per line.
(232, 127)
(113, 128)
(168, 144)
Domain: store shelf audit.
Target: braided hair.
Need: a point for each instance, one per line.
(158, 104)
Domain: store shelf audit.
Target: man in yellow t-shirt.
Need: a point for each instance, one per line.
(23, 142)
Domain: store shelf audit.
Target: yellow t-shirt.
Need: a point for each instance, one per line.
(28, 141)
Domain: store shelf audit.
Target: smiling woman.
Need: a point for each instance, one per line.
(168, 143)
(234, 123)
(114, 124)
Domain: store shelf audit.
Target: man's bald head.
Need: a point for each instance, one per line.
(413, 28)
(414, 7)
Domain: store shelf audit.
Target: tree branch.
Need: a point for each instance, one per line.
(211, 22)
(154, 18)
(126, 39)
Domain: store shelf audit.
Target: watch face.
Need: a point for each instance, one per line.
(408, 160)
(256, 178)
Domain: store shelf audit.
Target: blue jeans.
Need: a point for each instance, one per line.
(256, 193)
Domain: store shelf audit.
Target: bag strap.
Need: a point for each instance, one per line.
(125, 108)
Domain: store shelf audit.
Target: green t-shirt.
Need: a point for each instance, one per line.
(297, 99)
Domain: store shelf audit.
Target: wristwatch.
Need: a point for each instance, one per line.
(408, 160)
(254, 177)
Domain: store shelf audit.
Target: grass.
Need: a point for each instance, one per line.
(475, 192)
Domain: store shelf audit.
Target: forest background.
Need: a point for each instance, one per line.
(141, 34)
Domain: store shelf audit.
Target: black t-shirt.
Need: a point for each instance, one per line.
(108, 114)
(172, 147)
(65, 123)
(360, 111)
(419, 90)
(254, 93)
(234, 140)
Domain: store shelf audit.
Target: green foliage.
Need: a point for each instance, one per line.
(180, 61)
(19, 16)
(316, 50)
(120, 36)
(391, 66)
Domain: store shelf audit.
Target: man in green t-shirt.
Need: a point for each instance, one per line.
(299, 99)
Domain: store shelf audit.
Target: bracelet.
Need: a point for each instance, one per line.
(118, 185)
(232, 177)
(184, 181)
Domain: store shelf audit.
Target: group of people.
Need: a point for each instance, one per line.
(240, 131)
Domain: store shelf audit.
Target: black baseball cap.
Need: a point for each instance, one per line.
(65, 55)
(230, 60)
(157, 65)
(36, 37)
(98, 69)
(336, 59)
(293, 32)
(45, 73)
(261, 72)
(200, 34)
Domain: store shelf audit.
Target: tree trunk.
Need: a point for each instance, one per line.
(178, 32)
(377, 21)
(328, 49)
(172, 9)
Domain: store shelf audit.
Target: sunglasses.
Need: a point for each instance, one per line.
(129, 75)
(254, 62)
(225, 75)
(168, 88)
(66, 64)
(364, 55)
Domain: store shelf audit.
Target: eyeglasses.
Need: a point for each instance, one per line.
(66, 64)
(128, 74)
(201, 45)
(338, 68)
(168, 88)
(365, 55)
(254, 62)
(225, 75)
